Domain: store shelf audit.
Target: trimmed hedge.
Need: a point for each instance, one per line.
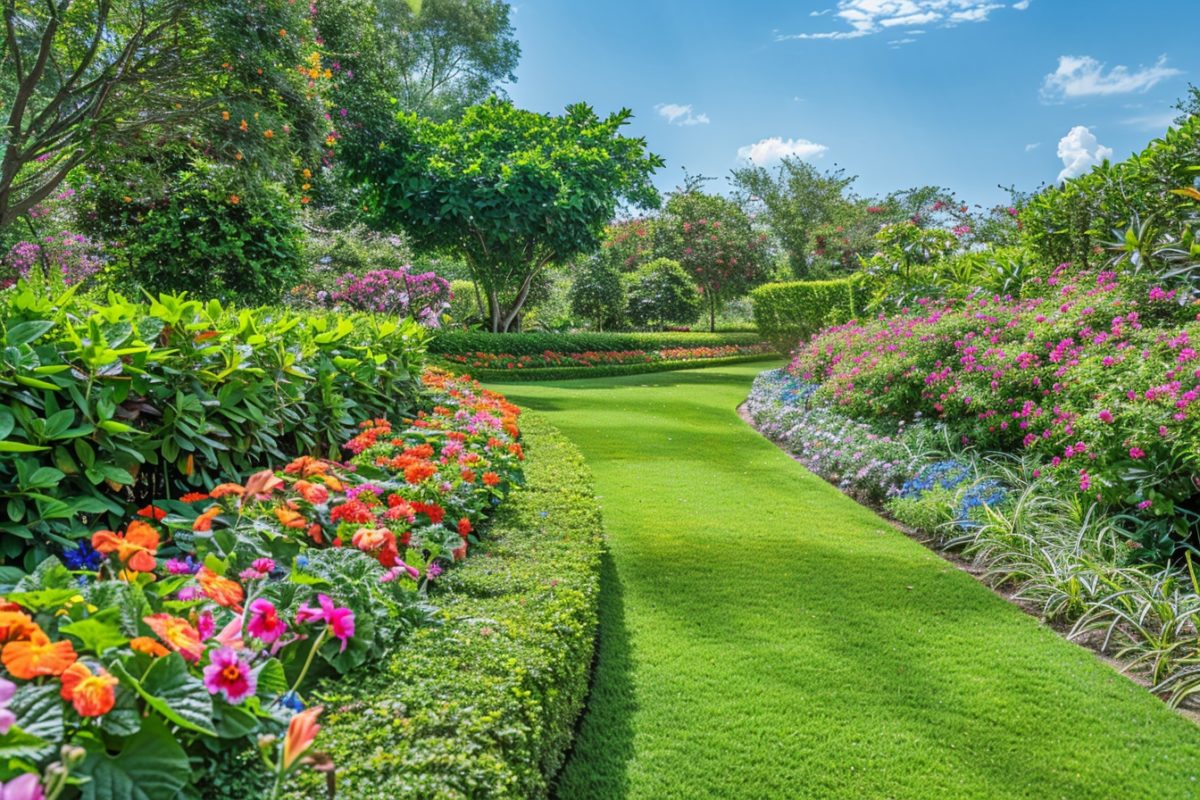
(485, 705)
(787, 313)
(605, 370)
(529, 344)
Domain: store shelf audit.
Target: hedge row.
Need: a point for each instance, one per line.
(107, 405)
(605, 370)
(787, 313)
(484, 706)
(529, 344)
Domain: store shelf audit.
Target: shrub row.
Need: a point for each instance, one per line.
(608, 370)
(471, 342)
(107, 405)
(787, 313)
(484, 705)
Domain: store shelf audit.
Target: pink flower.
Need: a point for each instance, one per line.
(23, 787)
(339, 620)
(264, 622)
(1145, 504)
(1085, 480)
(1137, 452)
(228, 675)
(1106, 416)
(206, 626)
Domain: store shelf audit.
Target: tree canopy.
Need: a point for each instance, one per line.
(509, 191)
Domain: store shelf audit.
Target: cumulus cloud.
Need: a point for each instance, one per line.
(868, 17)
(676, 114)
(776, 148)
(1084, 76)
(1080, 150)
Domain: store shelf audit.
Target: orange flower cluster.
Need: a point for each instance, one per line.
(29, 654)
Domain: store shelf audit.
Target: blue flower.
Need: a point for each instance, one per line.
(301, 562)
(292, 700)
(82, 557)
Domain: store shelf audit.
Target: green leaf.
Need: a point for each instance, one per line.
(39, 711)
(172, 691)
(234, 722)
(150, 766)
(272, 681)
(26, 332)
(98, 632)
(21, 744)
(20, 447)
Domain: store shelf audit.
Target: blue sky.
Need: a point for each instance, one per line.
(968, 94)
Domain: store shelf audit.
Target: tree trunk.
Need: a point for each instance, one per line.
(494, 310)
(712, 313)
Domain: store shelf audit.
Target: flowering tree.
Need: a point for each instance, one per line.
(509, 191)
(714, 241)
(424, 296)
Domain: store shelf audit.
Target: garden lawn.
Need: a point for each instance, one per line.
(763, 636)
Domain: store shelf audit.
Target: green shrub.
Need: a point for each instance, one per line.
(597, 293)
(470, 342)
(661, 293)
(108, 404)
(464, 305)
(787, 313)
(202, 237)
(605, 370)
(483, 706)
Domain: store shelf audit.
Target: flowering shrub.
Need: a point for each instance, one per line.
(423, 296)
(73, 256)
(196, 627)
(482, 360)
(1097, 379)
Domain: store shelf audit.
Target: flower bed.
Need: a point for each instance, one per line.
(484, 705)
(199, 626)
(590, 358)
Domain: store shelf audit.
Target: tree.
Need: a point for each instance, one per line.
(597, 293)
(796, 199)
(715, 242)
(509, 191)
(661, 293)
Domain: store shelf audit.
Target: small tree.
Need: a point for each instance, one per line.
(661, 293)
(597, 293)
(510, 191)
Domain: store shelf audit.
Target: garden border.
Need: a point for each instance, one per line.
(603, 370)
(485, 704)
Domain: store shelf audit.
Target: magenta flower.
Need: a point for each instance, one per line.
(1137, 452)
(206, 626)
(7, 717)
(1106, 416)
(339, 620)
(264, 622)
(23, 787)
(228, 675)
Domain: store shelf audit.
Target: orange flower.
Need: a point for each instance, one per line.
(313, 493)
(491, 478)
(234, 200)
(179, 635)
(225, 489)
(290, 518)
(38, 656)
(301, 732)
(307, 173)
(415, 473)
(244, 126)
(144, 644)
(16, 625)
(225, 116)
(204, 521)
(195, 497)
(261, 484)
(239, 155)
(221, 590)
(333, 483)
(306, 466)
(305, 201)
(370, 539)
(135, 548)
(270, 134)
(152, 512)
(91, 693)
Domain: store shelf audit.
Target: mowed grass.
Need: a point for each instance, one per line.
(762, 636)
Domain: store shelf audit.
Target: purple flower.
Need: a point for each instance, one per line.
(228, 675)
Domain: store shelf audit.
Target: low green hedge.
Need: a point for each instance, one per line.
(603, 370)
(787, 313)
(483, 706)
(107, 404)
(529, 344)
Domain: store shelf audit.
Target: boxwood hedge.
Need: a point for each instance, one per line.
(484, 705)
(787, 313)
(605, 370)
(530, 344)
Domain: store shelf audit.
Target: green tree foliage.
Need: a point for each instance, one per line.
(597, 293)
(509, 191)
(715, 242)
(661, 293)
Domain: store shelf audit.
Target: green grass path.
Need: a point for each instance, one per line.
(762, 636)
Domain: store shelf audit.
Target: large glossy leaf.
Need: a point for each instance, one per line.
(150, 766)
(172, 691)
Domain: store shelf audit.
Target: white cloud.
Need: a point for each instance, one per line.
(1080, 150)
(1029, 148)
(769, 151)
(1021, 5)
(899, 42)
(820, 13)
(868, 17)
(676, 114)
(1153, 122)
(1084, 76)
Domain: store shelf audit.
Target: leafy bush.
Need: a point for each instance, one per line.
(787, 313)
(202, 237)
(396, 292)
(660, 293)
(134, 640)
(107, 405)
(70, 257)
(464, 305)
(608, 370)
(469, 343)
(488, 700)
(597, 293)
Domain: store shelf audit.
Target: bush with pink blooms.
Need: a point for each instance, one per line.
(1099, 379)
